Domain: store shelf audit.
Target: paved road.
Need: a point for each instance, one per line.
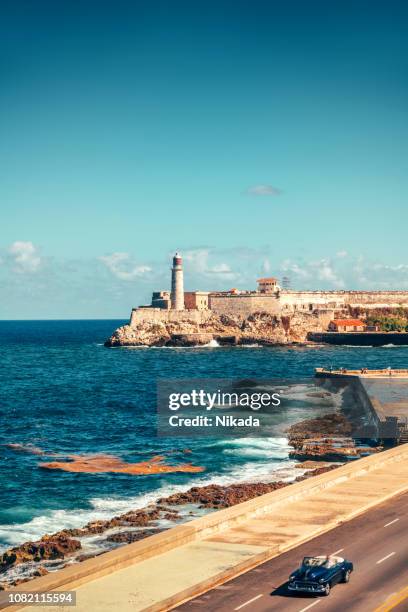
(377, 544)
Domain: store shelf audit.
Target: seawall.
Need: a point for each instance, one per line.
(360, 339)
(168, 568)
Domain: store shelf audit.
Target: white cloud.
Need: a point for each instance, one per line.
(289, 266)
(263, 190)
(198, 264)
(313, 271)
(25, 257)
(341, 254)
(121, 266)
(223, 269)
(325, 272)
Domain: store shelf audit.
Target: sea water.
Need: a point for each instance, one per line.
(63, 392)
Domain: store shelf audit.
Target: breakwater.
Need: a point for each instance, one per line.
(360, 339)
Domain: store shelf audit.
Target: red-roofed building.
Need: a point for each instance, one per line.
(346, 325)
(267, 285)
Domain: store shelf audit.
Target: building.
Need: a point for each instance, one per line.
(177, 284)
(268, 285)
(161, 299)
(332, 307)
(346, 325)
(196, 300)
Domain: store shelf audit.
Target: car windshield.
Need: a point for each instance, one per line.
(314, 561)
(319, 561)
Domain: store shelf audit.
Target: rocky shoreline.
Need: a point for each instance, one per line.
(314, 441)
(259, 328)
(54, 551)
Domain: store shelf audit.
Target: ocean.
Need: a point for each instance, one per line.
(63, 392)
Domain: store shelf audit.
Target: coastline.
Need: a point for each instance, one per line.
(54, 551)
(125, 404)
(195, 328)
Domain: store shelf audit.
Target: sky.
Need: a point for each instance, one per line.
(255, 137)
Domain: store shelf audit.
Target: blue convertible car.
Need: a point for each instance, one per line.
(319, 574)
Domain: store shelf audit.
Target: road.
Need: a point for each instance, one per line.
(376, 542)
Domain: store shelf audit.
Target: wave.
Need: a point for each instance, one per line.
(249, 345)
(103, 508)
(211, 344)
(366, 346)
(258, 448)
(275, 444)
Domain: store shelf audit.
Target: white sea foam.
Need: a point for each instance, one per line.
(211, 344)
(102, 508)
(368, 346)
(275, 444)
(249, 345)
(394, 346)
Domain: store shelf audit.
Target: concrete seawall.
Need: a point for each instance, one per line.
(377, 392)
(360, 339)
(191, 558)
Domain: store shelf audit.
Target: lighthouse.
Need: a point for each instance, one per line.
(177, 289)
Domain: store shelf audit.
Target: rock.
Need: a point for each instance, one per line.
(19, 581)
(40, 571)
(49, 547)
(127, 537)
(171, 516)
(334, 424)
(324, 438)
(217, 496)
(261, 328)
(81, 558)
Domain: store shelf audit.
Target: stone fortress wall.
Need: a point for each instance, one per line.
(142, 315)
(337, 300)
(198, 306)
(324, 303)
(244, 305)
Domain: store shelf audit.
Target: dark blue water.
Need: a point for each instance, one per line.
(63, 391)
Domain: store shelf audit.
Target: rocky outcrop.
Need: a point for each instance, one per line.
(259, 328)
(218, 496)
(127, 537)
(93, 464)
(334, 424)
(49, 547)
(326, 438)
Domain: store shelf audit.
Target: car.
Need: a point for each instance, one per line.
(319, 574)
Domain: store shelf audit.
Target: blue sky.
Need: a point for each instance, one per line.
(255, 137)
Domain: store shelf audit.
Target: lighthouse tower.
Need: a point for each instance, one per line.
(177, 289)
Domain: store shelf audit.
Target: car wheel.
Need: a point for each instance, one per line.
(346, 576)
(327, 589)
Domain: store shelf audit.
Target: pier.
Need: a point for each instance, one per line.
(384, 393)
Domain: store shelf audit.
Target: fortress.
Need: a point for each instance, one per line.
(178, 305)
